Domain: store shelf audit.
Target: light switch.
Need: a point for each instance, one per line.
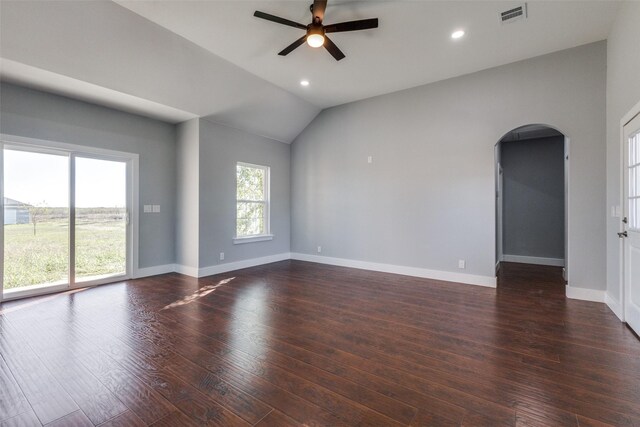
(616, 211)
(156, 208)
(147, 208)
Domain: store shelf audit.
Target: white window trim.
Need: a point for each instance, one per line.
(252, 238)
(237, 240)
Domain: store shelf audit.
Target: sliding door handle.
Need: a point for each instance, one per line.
(622, 235)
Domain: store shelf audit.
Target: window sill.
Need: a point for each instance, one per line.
(251, 239)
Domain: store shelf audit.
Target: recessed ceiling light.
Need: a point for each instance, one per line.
(304, 82)
(457, 34)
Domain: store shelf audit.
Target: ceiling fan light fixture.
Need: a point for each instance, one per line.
(315, 36)
(315, 40)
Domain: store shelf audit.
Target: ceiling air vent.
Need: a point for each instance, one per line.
(514, 14)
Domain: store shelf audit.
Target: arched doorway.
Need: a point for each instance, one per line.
(531, 205)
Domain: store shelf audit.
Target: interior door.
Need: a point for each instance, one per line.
(632, 223)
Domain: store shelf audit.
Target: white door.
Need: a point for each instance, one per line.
(632, 223)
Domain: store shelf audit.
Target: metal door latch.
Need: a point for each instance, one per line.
(622, 235)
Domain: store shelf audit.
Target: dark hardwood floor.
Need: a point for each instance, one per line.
(296, 343)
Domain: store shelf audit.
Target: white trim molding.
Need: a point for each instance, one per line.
(155, 270)
(615, 306)
(251, 239)
(585, 294)
(231, 266)
(469, 279)
(555, 262)
(187, 270)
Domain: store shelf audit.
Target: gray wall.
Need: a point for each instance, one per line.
(29, 113)
(427, 199)
(533, 172)
(623, 92)
(221, 147)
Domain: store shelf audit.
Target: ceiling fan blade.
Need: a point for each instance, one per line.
(318, 8)
(333, 49)
(287, 50)
(279, 20)
(363, 24)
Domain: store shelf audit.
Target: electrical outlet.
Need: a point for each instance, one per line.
(462, 263)
(370, 159)
(221, 256)
(319, 249)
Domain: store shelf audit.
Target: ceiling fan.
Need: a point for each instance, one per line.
(316, 32)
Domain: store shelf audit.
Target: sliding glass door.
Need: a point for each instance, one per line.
(36, 219)
(66, 215)
(100, 219)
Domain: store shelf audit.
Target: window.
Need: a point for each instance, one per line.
(252, 203)
(634, 182)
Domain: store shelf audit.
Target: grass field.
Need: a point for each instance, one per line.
(44, 258)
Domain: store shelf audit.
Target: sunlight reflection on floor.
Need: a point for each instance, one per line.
(39, 300)
(202, 292)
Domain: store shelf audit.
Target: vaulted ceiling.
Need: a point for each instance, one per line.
(179, 59)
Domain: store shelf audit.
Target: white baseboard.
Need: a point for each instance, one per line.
(555, 262)
(448, 276)
(614, 305)
(186, 270)
(223, 268)
(155, 270)
(211, 270)
(585, 294)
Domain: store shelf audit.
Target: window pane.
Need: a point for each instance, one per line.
(101, 221)
(36, 219)
(250, 218)
(250, 183)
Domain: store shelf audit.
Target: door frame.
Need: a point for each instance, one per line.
(620, 309)
(567, 192)
(73, 150)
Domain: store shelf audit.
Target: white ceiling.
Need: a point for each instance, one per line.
(104, 53)
(173, 60)
(412, 46)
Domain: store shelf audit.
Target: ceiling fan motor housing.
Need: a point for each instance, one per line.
(315, 29)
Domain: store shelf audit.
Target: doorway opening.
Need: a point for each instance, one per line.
(531, 165)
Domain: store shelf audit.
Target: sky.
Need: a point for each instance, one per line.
(38, 178)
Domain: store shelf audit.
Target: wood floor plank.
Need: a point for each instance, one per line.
(126, 419)
(622, 408)
(45, 395)
(26, 419)
(75, 419)
(142, 401)
(12, 400)
(277, 419)
(297, 343)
